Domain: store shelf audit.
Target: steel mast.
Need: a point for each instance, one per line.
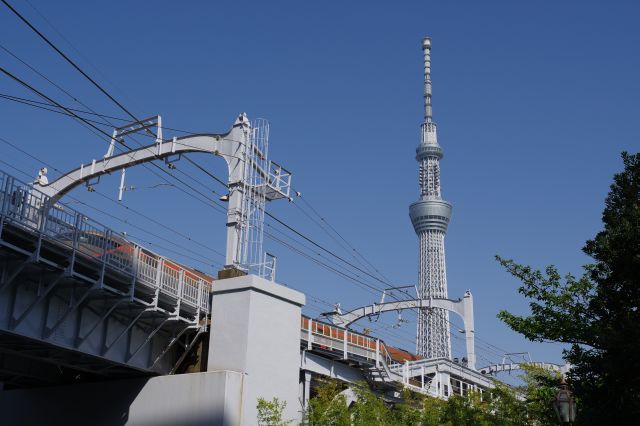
(430, 217)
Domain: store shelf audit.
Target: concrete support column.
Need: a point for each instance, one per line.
(306, 393)
(255, 330)
(469, 329)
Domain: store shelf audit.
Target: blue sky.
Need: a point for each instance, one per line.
(534, 103)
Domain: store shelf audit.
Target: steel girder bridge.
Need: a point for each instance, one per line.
(76, 295)
(79, 301)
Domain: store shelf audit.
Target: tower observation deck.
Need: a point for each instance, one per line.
(430, 218)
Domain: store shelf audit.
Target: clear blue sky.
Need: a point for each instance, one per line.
(534, 103)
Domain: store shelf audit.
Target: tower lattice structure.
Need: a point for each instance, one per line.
(430, 217)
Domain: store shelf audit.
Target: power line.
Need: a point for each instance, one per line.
(73, 64)
(201, 260)
(22, 82)
(106, 93)
(50, 81)
(69, 111)
(146, 217)
(266, 213)
(335, 231)
(83, 120)
(88, 112)
(54, 28)
(53, 46)
(224, 184)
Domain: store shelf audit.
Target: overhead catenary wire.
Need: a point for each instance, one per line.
(85, 122)
(71, 113)
(90, 124)
(66, 40)
(50, 81)
(339, 235)
(266, 213)
(130, 235)
(69, 60)
(97, 85)
(72, 63)
(195, 258)
(306, 238)
(300, 234)
(393, 335)
(146, 217)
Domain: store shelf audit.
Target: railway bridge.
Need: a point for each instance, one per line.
(78, 301)
(77, 298)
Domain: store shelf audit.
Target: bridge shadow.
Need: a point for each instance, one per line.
(118, 402)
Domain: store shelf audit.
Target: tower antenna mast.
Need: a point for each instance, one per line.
(430, 217)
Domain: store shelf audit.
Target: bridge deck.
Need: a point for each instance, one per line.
(71, 285)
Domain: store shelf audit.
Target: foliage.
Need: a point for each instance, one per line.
(369, 409)
(433, 411)
(465, 411)
(328, 407)
(598, 315)
(540, 387)
(502, 406)
(270, 412)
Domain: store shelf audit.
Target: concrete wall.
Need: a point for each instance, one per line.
(212, 398)
(255, 329)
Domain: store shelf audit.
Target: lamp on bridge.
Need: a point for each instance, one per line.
(564, 404)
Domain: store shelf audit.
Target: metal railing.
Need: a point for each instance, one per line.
(351, 345)
(28, 209)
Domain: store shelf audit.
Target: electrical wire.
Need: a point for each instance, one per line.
(71, 62)
(288, 246)
(86, 122)
(146, 217)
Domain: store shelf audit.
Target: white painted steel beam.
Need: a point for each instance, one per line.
(463, 307)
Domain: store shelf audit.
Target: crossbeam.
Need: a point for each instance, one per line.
(508, 367)
(230, 146)
(463, 307)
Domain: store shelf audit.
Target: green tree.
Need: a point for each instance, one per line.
(598, 314)
(539, 388)
(270, 412)
(500, 406)
(410, 410)
(328, 407)
(466, 411)
(507, 408)
(433, 411)
(369, 409)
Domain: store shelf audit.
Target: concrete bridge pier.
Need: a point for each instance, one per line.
(255, 330)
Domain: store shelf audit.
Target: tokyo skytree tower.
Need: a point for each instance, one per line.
(430, 217)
